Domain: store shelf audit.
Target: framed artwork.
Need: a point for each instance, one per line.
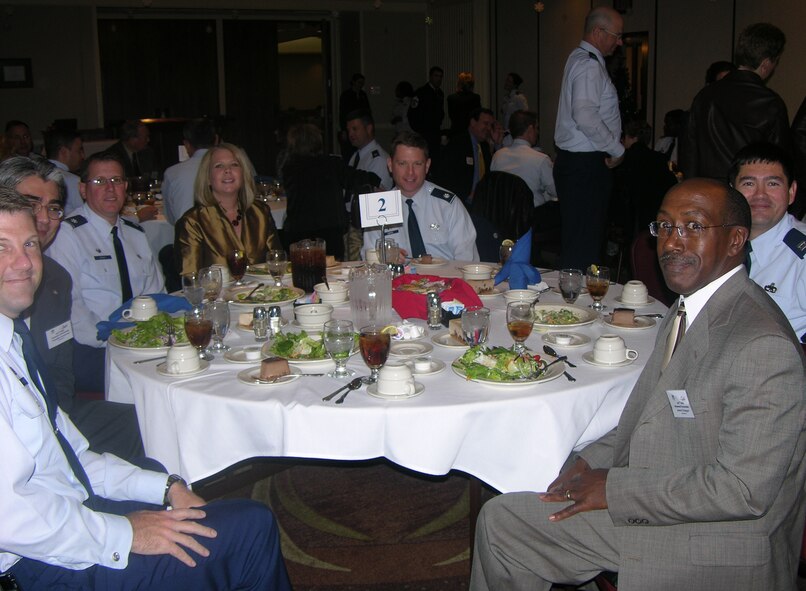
(16, 73)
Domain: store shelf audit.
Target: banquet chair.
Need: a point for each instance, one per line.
(506, 201)
(644, 267)
(488, 240)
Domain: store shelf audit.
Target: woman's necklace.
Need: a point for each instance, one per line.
(237, 219)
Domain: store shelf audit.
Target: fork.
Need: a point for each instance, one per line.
(171, 335)
(354, 385)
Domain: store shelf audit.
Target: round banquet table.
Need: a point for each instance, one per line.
(512, 438)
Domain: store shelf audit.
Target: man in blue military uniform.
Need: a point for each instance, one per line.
(434, 220)
(762, 172)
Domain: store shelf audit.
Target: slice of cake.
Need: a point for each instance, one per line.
(272, 368)
(623, 317)
(455, 330)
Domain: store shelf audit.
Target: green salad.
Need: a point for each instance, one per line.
(152, 333)
(555, 317)
(297, 346)
(267, 295)
(499, 364)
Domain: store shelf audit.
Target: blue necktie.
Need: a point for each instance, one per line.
(123, 267)
(34, 362)
(415, 238)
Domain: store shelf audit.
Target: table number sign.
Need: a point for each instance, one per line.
(381, 209)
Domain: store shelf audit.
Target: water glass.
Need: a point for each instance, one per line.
(276, 264)
(339, 337)
(211, 281)
(475, 325)
(218, 313)
(371, 295)
(389, 248)
(570, 284)
(192, 289)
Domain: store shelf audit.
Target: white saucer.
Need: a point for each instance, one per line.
(409, 349)
(372, 390)
(649, 301)
(437, 365)
(238, 355)
(641, 322)
(577, 339)
(446, 340)
(251, 376)
(588, 357)
(163, 371)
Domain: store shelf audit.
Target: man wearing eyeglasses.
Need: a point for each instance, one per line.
(701, 484)
(776, 260)
(588, 139)
(108, 426)
(109, 259)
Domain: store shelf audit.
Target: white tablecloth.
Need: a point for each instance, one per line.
(511, 438)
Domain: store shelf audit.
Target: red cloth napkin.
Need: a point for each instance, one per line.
(412, 305)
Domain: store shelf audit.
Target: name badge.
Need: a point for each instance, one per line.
(469, 161)
(382, 208)
(103, 257)
(59, 334)
(678, 400)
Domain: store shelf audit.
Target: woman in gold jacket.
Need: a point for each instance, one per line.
(226, 216)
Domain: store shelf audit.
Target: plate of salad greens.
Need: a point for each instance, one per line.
(150, 335)
(548, 316)
(301, 348)
(501, 366)
(268, 295)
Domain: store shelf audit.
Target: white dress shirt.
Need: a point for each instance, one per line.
(588, 118)
(532, 166)
(74, 200)
(177, 186)
(41, 508)
(444, 223)
(372, 158)
(697, 300)
(84, 248)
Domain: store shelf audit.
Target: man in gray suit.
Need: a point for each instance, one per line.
(701, 484)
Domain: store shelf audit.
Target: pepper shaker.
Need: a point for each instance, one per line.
(260, 323)
(434, 310)
(275, 317)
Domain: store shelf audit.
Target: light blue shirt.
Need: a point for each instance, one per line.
(74, 200)
(177, 186)
(373, 158)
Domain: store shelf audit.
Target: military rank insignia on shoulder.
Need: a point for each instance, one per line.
(375, 153)
(131, 224)
(442, 194)
(76, 220)
(796, 240)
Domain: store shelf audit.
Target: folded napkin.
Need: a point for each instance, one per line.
(165, 303)
(518, 269)
(409, 304)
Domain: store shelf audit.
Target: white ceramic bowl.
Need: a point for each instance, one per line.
(313, 316)
(477, 272)
(336, 294)
(521, 295)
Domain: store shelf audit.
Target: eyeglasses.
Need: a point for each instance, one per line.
(55, 211)
(101, 181)
(694, 229)
(618, 36)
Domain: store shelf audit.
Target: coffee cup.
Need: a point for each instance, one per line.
(395, 379)
(182, 358)
(610, 348)
(225, 275)
(634, 292)
(143, 308)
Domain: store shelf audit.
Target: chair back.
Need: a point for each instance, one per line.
(488, 241)
(644, 266)
(506, 201)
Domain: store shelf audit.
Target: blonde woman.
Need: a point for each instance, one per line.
(226, 216)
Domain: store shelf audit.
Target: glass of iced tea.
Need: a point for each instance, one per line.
(236, 261)
(597, 280)
(520, 319)
(374, 344)
(199, 330)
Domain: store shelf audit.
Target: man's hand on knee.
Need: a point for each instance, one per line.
(573, 473)
(167, 532)
(181, 497)
(586, 489)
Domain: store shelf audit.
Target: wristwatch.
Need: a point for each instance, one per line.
(172, 479)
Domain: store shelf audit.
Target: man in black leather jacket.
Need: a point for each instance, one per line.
(739, 109)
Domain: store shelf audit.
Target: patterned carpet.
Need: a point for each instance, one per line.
(369, 526)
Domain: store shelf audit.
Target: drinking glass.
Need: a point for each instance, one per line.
(374, 345)
(371, 295)
(199, 329)
(520, 319)
(390, 250)
(211, 281)
(338, 338)
(570, 284)
(307, 263)
(276, 263)
(236, 261)
(475, 324)
(218, 313)
(505, 251)
(597, 281)
(192, 290)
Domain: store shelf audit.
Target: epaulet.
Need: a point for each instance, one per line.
(375, 153)
(131, 224)
(593, 56)
(796, 240)
(442, 194)
(76, 220)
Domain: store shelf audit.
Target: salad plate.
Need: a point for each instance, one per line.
(269, 295)
(500, 366)
(260, 271)
(302, 349)
(553, 316)
(149, 335)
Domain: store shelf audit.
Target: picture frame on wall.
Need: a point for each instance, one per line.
(16, 73)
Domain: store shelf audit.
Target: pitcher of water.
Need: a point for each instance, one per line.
(371, 295)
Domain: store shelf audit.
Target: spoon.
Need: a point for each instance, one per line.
(257, 287)
(354, 385)
(550, 351)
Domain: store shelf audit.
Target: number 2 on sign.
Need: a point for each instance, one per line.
(383, 208)
(382, 205)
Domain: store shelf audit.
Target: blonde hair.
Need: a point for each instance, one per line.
(204, 191)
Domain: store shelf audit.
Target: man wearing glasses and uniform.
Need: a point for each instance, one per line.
(109, 259)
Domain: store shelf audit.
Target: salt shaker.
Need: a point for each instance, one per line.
(275, 316)
(260, 323)
(434, 310)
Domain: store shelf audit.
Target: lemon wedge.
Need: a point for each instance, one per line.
(391, 329)
(594, 269)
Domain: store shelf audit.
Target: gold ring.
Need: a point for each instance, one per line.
(568, 495)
